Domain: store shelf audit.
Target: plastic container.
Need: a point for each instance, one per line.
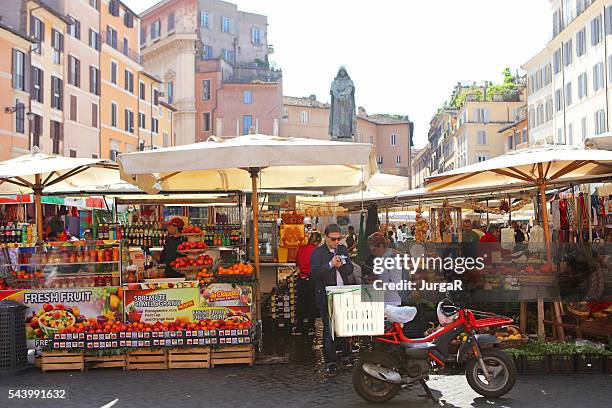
(356, 310)
(13, 346)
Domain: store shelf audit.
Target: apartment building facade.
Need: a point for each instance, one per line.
(517, 134)
(81, 77)
(540, 97)
(421, 166)
(305, 117)
(226, 85)
(44, 69)
(581, 78)
(15, 97)
(441, 142)
(85, 78)
(476, 137)
(473, 126)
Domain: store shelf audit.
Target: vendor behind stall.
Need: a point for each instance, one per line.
(170, 252)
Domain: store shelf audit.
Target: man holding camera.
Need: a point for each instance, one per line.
(330, 265)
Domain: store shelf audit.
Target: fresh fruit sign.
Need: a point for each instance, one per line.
(54, 311)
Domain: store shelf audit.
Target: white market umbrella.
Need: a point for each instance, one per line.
(38, 173)
(220, 164)
(250, 162)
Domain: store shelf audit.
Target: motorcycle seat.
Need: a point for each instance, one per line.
(417, 346)
(400, 314)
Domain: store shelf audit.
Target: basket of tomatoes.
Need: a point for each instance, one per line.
(187, 264)
(190, 248)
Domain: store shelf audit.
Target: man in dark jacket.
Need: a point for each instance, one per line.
(330, 265)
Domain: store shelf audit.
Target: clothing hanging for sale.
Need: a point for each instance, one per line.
(536, 238)
(570, 212)
(555, 215)
(563, 219)
(582, 207)
(602, 206)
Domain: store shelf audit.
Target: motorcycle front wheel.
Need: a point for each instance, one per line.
(500, 365)
(372, 389)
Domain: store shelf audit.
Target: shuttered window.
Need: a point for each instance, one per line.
(73, 108)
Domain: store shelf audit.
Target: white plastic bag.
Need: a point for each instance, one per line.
(400, 314)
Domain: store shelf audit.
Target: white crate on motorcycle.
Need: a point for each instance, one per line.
(356, 310)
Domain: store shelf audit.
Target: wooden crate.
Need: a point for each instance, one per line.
(192, 357)
(147, 360)
(233, 355)
(62, 360)
(114, 361)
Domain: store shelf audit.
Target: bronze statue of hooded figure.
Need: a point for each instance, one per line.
(342, 116)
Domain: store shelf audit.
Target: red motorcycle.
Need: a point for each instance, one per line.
(379, 375)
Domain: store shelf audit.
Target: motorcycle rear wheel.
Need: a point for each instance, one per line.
(494, 359)
(370, 388)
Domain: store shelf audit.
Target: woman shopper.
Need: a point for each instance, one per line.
(306, 311)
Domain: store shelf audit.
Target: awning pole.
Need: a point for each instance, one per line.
(589, 212)
(255, 207)
(543, 205)
(38, 204)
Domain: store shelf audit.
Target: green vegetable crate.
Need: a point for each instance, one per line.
(589, 363)
(534, 364)
(562, 363)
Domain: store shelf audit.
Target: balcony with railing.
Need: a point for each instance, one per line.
(131, 53)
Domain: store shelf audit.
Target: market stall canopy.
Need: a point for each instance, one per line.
(19, 175)
(380, 186)
(544, 165)
(79, 202)
(220, 164)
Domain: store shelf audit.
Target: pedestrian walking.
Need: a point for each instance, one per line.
(330, 266)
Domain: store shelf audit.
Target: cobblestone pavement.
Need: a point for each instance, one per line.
(296, 384)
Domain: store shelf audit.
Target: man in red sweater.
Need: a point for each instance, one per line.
(306, 309)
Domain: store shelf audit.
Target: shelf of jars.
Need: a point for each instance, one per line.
(61, 265)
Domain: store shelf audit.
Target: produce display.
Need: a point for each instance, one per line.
(236, 269)
(509, 333)
(93, 326)
(187, 262)
(204, 276)
(192, 229)
(192, 246)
